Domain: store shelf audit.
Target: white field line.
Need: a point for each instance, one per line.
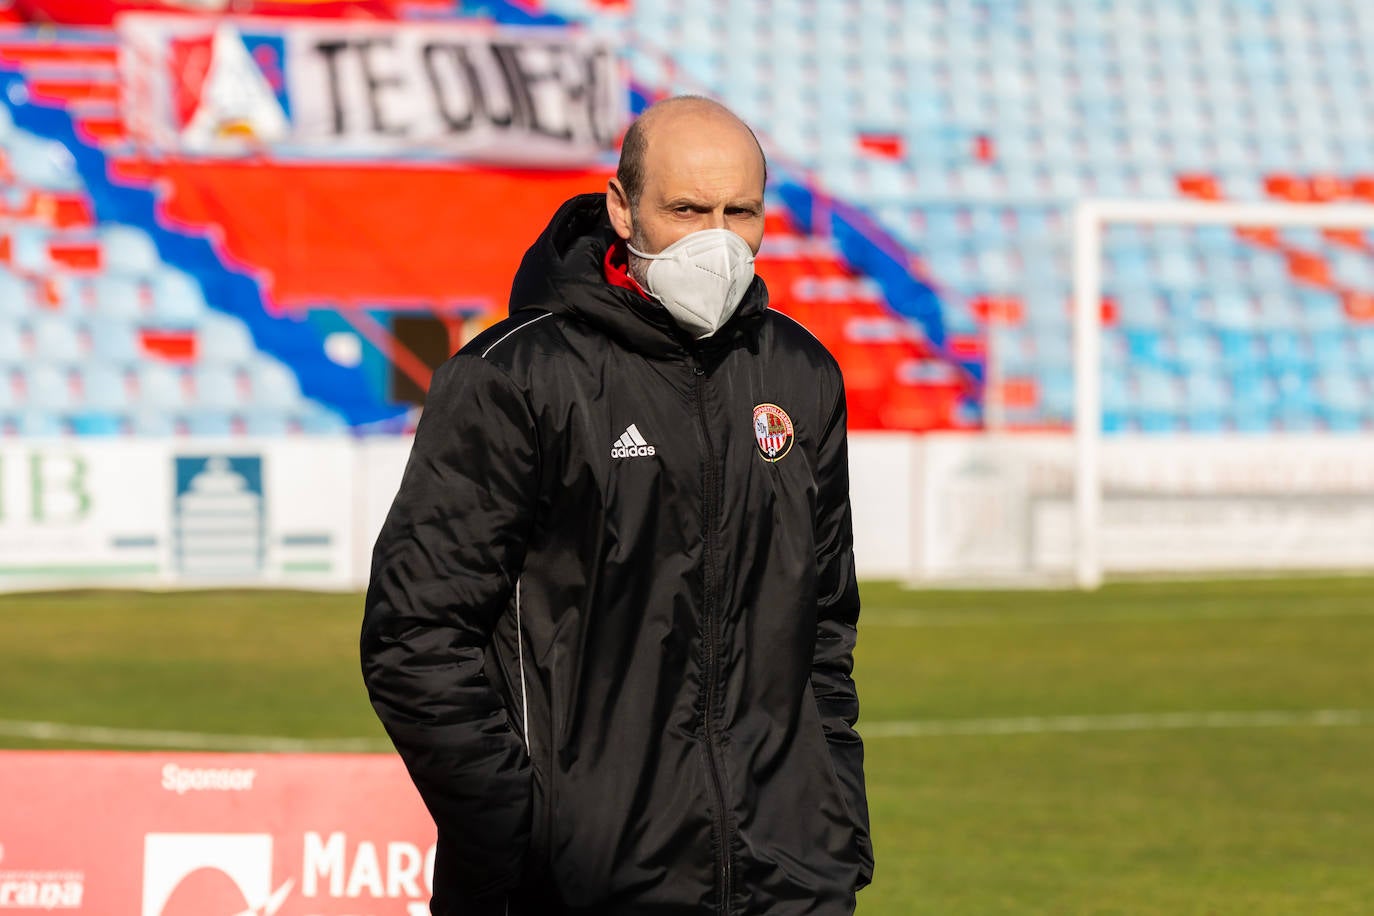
(1128, 722)
(918, 728)
(190, 741)
(940, 617)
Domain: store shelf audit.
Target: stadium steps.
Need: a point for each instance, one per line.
(74, 69)
(94, 281)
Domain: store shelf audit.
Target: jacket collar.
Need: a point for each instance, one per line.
(617, 268)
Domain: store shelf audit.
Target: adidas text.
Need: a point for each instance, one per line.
(632, 451)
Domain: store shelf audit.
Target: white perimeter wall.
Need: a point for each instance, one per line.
(304, 512)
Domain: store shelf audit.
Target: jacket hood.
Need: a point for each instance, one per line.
(564, 272)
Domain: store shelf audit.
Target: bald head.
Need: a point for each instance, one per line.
(676, 115)
(687, 164)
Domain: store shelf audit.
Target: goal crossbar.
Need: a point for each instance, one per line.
(1091, 218)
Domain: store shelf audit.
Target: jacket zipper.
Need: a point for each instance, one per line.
(711, 638)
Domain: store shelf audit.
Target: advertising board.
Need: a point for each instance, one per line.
(305, 512)
(191, 512)
(161, 834)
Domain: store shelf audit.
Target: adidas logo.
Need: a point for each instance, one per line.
(631, 445)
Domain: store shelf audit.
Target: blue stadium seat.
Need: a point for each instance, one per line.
(1116, 393)
(159, 386)
(55, 339)
(41, 163)
(273, 385)
(16, 297)
(261, 421)
(11, 344)
(208, 422)
(128, 251)
(178, 300)
(118, 296)
(38, 423)
(217, 386)
(319, 421)
(113, 340)
(29, 249)
(152, 422)
(47, 387)
(225, 340)
(96, 423)
(104, 387)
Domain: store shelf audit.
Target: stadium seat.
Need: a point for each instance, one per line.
(217, 386)
(118, 296)
(28, 249)
(11, 343)
(159, 386)
(36, 423)
(56, 339)
(128, 251)
(317, 420)
(47, 387)
(225, 340)
(103, 387)
(152, 422)
(41, 163)
(113, 340)
(273, 385)
(177, 299)
(206, 422)
(93, 423)
(16, 296)
(261, 421)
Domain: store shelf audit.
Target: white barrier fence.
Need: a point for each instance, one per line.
(303, 513)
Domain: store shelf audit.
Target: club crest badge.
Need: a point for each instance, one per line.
(773, 431)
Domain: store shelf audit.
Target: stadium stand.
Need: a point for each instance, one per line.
(106, 334)
(927, 158)
(968, 128)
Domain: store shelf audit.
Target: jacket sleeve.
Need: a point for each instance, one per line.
(836, 619)
(443, 571)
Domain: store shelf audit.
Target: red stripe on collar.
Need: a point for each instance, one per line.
(617, 267)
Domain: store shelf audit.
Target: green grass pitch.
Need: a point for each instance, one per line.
(985, 798)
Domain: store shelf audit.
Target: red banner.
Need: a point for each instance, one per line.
(103, 12)
(212, 835)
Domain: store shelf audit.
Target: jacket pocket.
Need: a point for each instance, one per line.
(860, 842)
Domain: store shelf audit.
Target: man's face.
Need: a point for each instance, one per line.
(702, 171)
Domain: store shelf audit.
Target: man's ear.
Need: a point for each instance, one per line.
(618, 208)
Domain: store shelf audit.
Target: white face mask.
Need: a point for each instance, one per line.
(700, 278)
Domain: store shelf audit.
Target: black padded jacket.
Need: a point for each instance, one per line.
(611, 617)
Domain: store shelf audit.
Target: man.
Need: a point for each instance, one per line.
(611, 618)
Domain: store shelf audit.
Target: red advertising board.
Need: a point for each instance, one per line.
(153, 834)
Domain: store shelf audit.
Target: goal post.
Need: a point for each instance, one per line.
(1091, 219)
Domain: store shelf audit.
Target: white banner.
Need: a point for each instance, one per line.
(545, 95)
